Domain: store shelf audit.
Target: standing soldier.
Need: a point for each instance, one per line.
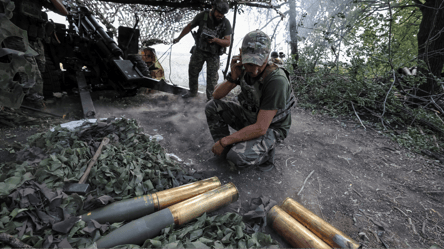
(263, 115)
(212, 38)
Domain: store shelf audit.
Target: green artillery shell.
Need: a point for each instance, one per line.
(137, 231)
(137, 207)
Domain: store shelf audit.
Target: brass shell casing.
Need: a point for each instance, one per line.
(318, 226)
(172, 196)
(206, 202)
(294, 232)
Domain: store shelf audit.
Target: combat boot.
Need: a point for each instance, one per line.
(189, 95)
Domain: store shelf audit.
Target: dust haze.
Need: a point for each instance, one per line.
(180, 122)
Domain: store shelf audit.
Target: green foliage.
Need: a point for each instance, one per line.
(324, 91)
(372, 35)
(382, 38)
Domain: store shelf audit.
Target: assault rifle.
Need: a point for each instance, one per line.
(93, 60)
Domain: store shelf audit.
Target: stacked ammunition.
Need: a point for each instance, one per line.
(208, 196)
(137, 207)
(302, 228)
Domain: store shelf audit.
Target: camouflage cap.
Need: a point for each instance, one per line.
(255, 48)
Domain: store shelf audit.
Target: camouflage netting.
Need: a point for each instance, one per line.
(157, 23)
(220, 231)
(35, 209)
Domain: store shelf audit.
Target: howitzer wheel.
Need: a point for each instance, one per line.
(52, 78)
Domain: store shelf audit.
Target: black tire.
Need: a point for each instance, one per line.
(52, 77)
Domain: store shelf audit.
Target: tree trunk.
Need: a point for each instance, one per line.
(431, 44)
(293, 34)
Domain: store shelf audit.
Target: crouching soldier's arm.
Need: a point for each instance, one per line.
(255, 130)
(223, 89)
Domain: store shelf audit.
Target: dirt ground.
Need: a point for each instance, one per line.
(359, 181)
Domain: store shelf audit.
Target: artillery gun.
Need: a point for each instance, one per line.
(94, 60)
(91, 58)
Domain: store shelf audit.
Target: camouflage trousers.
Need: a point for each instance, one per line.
(197, 60)
(222, 114)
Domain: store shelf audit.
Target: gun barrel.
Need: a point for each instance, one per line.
(137, 231)
(137, 207)
(110, 43)
(328, 233)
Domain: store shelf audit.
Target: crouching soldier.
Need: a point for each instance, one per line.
(263, 115)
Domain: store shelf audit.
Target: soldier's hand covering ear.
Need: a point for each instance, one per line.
(236, 67)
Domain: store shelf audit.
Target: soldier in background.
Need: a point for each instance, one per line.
(207, 49)
(153, 64)
(275, 58)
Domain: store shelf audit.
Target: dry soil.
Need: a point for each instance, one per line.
(356, 179)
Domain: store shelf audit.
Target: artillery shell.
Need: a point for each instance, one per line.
(137, 231)
(137, 207)
(328, 233)
(294, 232)
(206, 202)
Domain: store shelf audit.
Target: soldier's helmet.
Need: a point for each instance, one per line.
(221, 6)
(255, 48)
(274, 54)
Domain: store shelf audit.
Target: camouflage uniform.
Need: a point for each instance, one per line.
(198, 58)
(221, 114)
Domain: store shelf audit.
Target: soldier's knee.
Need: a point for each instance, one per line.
(238, 159)
(233, 157)
(210, 107)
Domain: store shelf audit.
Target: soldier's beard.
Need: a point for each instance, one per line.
(216, 21)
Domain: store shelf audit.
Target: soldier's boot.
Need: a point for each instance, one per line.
(265, 167)
(189, 95)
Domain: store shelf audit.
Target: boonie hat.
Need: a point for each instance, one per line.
(221, 6)
(255, 48)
